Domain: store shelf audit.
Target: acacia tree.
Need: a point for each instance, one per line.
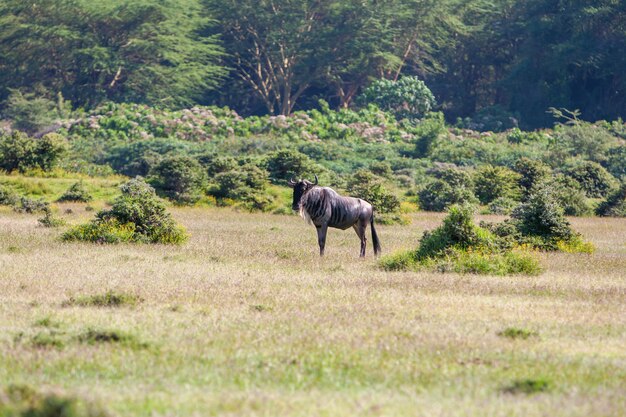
(273, 45)
(146, 50)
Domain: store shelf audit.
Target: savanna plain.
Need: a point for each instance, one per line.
(246, 319)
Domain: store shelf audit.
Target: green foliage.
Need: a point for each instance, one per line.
(614, 205)
(32, 112)
(406, 98)
(137, 215)
(531, 173)
(146, 51)
(616, 162)
(179, 178)
(8, 197)
(453, 186)
(50, 220)
(108, 299)
(570, 195)
(516, 333)
(502, 205)
(215, 164)
(460, 246)
(31, 206)
(246, 184)
(76, 193)
(528, 386)
(23, 400)
(100, 336)
(22, 153)
(363, 184)
(492, 183)
(595, 180)
(285, 164)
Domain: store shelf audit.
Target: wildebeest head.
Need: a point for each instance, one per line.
(299, 189)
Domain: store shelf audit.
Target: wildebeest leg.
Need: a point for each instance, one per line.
(359, 228)
(321, 237)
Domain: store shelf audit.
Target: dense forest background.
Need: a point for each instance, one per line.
(504, 60)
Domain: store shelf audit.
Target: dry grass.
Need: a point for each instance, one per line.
(246, 319)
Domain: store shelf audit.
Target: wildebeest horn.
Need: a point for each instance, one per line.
(292, 182)
(316, 180)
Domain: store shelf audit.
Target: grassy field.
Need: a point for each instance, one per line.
(246, 319)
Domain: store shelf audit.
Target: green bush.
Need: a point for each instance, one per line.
(285, 164)
(363, 184)
(459, 245)
(22, 400)
(179, 178)
(616, 162)
(246, 184)
(50, 220)
(8, 197)
(32, 112)
(406, 98)
(570, 195)
(30, 206)
(439, 195)
(137, 215)
(215, 164)
(531, 172)
(18, 152)
(502, 205)
(496, 182)
(594, 179)
(77, 193)
(614, 205)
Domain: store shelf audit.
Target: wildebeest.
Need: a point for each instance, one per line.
(323, 207)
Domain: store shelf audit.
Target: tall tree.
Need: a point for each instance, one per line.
(146, 50)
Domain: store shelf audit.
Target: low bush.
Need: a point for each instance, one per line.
(23, 400)
(570, 195)
(439, 195)
(137, 215)
(30, 206)
(502, 206)
(363, 184)
(50, 220)
(107, 336)
(285, 164)
(516, 333)
(540, 223)
(459, 245)
(614, 205)
(594, 179)
(108, 299)
(179, 178)
(246, 185)
(76, 193)
(492, 183)
(8, 197)
(19, 152)
(532, 172)
(527, 386)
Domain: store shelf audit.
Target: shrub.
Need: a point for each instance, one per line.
(50, 220)
(108, 299)
(527, 386)
(98, 336)
(458, 245)
(516, 333)
(8, 197)
(76, 193)
(615, 162)
(406, 98)
(215, 164)
(363, 184)
(502, 205)
(570, 195)
(593, 178)
(137, 215)
(531, 172)
(22, 153)
(439, 195)
(31, 112)
(246, 184)
(496, 182)
(179, 178)
(285, 164)
(22, 400)
(30, 206)
(614, 205)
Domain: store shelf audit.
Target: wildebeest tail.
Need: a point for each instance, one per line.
(375, 240)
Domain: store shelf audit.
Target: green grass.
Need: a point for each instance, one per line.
(246, 319)
(108, 299)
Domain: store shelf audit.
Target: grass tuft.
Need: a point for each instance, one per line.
(516, 333)
(108, 299)
(48, 339)
(527, 386)
(102, 336)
